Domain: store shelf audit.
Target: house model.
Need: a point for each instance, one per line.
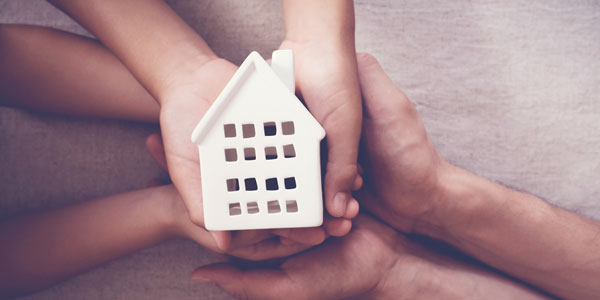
(259, 151)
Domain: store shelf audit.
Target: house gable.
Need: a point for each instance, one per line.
(253, 90)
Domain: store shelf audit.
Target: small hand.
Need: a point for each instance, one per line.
(402, 167)
(247, 244)
(327, 81)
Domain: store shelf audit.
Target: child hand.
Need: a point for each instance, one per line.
(327, 80)
(247, 244)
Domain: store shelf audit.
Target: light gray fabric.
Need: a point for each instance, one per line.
(507, 89)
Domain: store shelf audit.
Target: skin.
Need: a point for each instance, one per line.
(102, 87)
(417, 191)
(409, 187)
(138, 220)
(321, 34)
(372, 262)
(180, 61)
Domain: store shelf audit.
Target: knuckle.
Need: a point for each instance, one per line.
(366, 59)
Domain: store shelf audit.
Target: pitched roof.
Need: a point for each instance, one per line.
(254, 62)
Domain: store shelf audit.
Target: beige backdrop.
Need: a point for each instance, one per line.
(507, 89)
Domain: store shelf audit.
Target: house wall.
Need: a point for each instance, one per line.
(256, 101)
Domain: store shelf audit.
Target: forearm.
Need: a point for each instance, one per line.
(441, 277)
(43, 248)
(315, 19)
(155, 44)
(520, 234)
(55, 71)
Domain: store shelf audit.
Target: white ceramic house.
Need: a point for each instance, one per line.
(259, 151)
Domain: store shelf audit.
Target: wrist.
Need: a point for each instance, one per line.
(318, 20)
(459, 197)
(168, 206)
(419, 274)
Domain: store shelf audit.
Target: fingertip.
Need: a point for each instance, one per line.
(352, 209)
(338, 227)
(357, 184)
(214, 273)
(222, 239)
(337, 207)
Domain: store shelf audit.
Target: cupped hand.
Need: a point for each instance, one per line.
(327, 81)
(246, 244)
(402, 167)
(356, 265)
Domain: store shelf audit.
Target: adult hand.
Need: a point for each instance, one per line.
(372, 262)
(417, 191)
(402, 167)
(321, 34)
(355, 265)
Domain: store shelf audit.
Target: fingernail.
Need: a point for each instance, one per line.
(339, 204)
(217, 239)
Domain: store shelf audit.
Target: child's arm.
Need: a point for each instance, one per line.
(55, 71)
(40, 249)
(321, 33)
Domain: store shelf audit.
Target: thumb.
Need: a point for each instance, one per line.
(381, 98)
(260, 284)
(154, 144)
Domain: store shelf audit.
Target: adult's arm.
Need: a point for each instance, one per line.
(554, 249)
(418, 191)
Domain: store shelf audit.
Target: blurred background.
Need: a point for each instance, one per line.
(509, 90)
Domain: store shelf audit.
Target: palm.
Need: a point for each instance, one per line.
(179, 115)
(356, 263)
(353, 266)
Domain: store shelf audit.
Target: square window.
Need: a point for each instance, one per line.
(233, 185)
(272, 184)
(230, 154)
(250, 153)
(235, 209)
(229, 130)
(291, 206)
(290, 183)
(270, 153)
(288, 128)
(252, 207)
(251, 184)
(273, 207)
(270, 129)
(289, 151)
(248, 131)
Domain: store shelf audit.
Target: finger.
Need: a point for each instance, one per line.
(154, 144)
(358, 183)
(352, 209)
(337, 106)
(244, 238)
(337, 226)
(309, 236)
(268, 249)
(261, 284)
(382, 99)
(190, 189)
